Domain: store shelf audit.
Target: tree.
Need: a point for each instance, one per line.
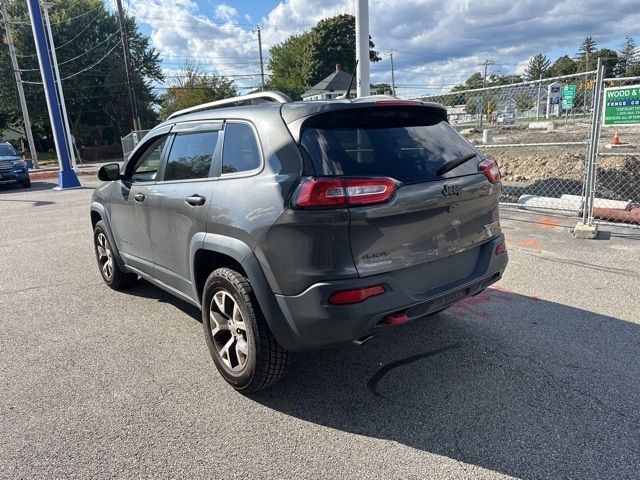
(627, 57)
(333, 41)
(537, 67)
(303, 60)
(91, 64)
(194, 87)
(381, 89)
(609, 60)
(585, 57)
(290, 65)
(474, 81)
(564, 65)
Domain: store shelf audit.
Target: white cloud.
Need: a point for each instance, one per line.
(436, 43)
(225, 12)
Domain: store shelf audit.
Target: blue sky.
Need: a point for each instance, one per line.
(436, 43)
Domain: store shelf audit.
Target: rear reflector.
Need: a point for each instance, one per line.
(502, 248)
(396, 318)
(330, 192)
(490, 170)
(347, 297)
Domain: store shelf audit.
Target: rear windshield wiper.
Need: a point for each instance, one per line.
(456, 162)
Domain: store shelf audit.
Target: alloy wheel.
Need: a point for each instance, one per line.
(228, 330)
(105, 256)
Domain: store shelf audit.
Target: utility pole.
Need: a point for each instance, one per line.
(127, 65)
(486, 64)
(67, 177)
(58, 80)
(259, 31)
(16, 70)
(393, 77)
(363, 83)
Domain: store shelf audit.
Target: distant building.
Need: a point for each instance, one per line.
(332, 87)
(11, 134)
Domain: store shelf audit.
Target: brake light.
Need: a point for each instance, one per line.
(490, 170)
(330, 192)
(399, 102)
(347, 297)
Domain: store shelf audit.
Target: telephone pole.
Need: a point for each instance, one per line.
(363, 76)
(486, 64)
(16, 70)
(127, 65)
(393, 77)
(258, 30)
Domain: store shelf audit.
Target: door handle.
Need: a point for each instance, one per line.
(195, 200)
(139, 197)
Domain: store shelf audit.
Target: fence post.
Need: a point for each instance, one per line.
(586, 228)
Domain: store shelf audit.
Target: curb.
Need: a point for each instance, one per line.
(54, 174)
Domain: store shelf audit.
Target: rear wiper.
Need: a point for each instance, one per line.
(456, 162)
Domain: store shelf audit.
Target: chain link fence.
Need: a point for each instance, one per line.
(130, 141)
(617, 176)
(540, 132)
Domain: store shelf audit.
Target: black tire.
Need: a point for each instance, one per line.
(266, 361)
(114, 276)
(26, 184)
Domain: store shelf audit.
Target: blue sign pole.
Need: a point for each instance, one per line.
(67, 177)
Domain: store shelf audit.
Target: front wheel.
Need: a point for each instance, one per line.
(111, 272)
(239, 340)
(26, 183)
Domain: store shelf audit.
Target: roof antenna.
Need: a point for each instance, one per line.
(346, 95)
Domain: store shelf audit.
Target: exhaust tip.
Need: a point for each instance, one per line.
(362, 340)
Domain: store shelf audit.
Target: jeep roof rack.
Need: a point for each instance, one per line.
(252, 99)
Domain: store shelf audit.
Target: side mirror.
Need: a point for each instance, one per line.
(109, 172)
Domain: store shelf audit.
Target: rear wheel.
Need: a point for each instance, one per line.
(237, 335)
(26, 183)
(111, 272)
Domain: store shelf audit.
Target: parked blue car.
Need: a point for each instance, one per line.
(12, 168)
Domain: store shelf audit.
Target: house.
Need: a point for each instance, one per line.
(11, 134)
(332, 87)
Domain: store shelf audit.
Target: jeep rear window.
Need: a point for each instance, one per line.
(408, 144)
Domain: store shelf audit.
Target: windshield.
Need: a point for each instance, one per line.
(409, 146)
(7, 151)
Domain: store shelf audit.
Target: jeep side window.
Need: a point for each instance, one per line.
(240, 152)
(191, 156)
(147, 165)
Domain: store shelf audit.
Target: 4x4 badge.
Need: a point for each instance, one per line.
(451, 190)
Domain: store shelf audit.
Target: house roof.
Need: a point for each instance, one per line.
(337, 81)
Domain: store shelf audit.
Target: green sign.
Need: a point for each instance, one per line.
(567, 103)
(622, 105)
(568, 92)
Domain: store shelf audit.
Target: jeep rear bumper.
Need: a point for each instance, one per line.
(308, 321)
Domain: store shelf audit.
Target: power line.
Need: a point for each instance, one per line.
(90, 50)
(80, 32)
(89, 68)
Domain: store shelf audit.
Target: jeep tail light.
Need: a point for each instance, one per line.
(348, 297)
(330, 192)
(490, 170)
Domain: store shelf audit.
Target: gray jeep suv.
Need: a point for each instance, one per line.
(298, 225)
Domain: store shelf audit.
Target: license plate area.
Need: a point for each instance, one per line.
(438, 303)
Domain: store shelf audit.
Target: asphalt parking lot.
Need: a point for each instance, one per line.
(536, 378)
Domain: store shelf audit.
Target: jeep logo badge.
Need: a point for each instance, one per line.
(451, 190)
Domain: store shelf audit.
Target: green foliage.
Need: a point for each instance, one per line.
(193, 87)
(97, 101)
(303, 60)
(381, 89)
(537, 67)
(290, 65)
(586, 50)
(564, 65)
(627, 57)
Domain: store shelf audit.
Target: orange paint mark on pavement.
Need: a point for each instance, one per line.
(548, 222)
(528, 243)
